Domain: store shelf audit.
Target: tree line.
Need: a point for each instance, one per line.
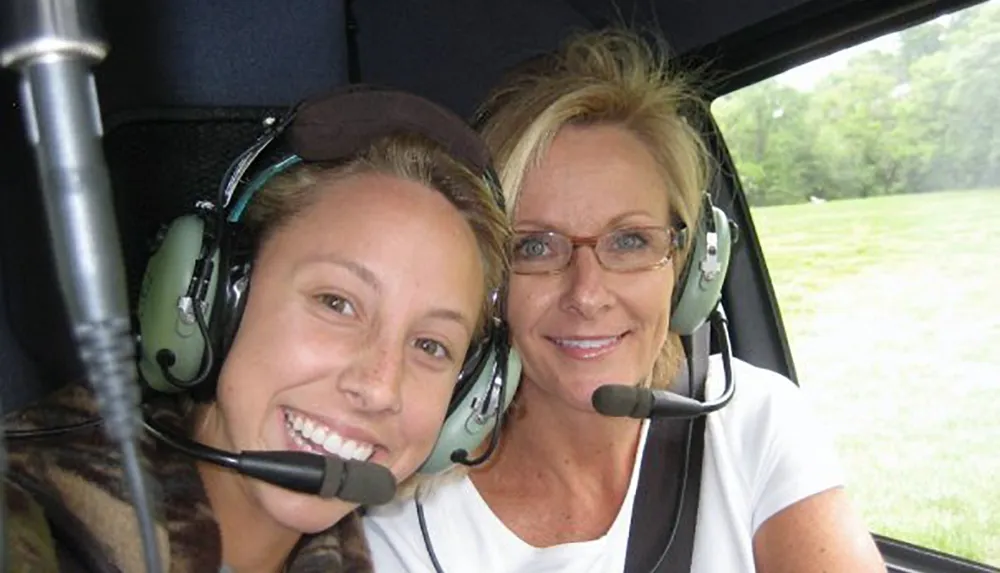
(921, 116)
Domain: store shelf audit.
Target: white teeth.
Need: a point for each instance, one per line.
(593, 343)
(305, 432)
(348, 449)
(364, 452)
(318, 436)
(333, 443)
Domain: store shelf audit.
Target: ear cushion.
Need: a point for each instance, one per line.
(166, 321)
(465, 428)
(700, 286)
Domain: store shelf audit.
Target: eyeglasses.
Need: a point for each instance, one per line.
(622, 250)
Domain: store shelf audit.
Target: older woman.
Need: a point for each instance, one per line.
(605, 181)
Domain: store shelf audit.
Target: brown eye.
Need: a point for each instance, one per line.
(338, 304)
(432, 348)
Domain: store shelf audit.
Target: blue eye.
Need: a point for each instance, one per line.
(338, 304)
(531, 247)
(630, 240)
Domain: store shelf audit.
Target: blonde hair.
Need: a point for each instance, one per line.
(407, 156)
(610, 77)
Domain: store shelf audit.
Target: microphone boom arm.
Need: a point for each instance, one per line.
(618, 400)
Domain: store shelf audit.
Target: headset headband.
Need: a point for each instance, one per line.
(339, 124)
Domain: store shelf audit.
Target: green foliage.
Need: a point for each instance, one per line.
(922, 116)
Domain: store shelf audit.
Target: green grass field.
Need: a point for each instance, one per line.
(892, 309)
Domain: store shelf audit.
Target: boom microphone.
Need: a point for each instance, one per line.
(328, 477)
(634, 402)
(623, 401)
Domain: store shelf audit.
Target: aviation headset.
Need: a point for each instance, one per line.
(699, 284)
(195, 285)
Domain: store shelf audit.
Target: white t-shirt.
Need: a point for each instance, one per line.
(763, 452)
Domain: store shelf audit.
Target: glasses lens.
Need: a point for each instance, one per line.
(540, 252)
(634, 249)
(621, 250)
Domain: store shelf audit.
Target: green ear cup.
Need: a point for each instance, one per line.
(702, 286)
(166, 321)
(466, 428)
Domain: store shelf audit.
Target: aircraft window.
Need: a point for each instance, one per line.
(873, 176)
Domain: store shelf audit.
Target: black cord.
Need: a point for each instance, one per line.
(165, 358)
(462, 456)
(52, 430)
(722, 337)
(190, 447)
(425, 534)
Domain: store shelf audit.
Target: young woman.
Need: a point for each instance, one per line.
(374, 248)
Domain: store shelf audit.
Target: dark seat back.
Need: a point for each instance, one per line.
(182, 91)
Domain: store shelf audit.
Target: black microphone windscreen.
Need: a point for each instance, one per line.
(327, 476)
(359, 482)
(617, 400)
(643, 403)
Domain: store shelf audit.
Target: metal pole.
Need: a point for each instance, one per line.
(53, 44)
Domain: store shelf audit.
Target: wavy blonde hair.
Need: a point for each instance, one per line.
(609, 77)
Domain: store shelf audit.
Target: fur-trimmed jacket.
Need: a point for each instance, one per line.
(68, 509)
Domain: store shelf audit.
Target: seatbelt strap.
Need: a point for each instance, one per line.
(660, 483)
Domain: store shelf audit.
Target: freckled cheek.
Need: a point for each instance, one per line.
(424, 413)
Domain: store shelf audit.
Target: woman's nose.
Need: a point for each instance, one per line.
(586, 293)
(374, 380)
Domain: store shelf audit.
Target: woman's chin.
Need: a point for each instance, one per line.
(301, 512)
(576, 398)
(574, 394)
(585, 400)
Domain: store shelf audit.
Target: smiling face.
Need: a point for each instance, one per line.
(360, 312)
(587, 326)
